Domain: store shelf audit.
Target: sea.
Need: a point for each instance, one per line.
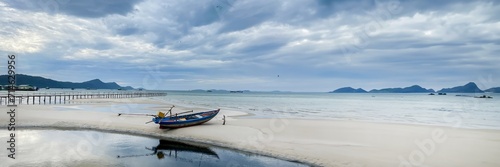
(461, 110)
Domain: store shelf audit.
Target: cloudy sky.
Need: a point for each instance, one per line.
(313, 45)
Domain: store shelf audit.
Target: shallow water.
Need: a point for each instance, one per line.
(114, 108)
(91, 148)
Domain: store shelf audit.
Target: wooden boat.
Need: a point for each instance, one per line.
(19, 87)
(183, 120)
(483, 96)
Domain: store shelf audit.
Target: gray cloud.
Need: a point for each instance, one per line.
(127, 31)
(211, 44)
(246, 14)
(87, 8)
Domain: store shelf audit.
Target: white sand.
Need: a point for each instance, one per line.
(318, 142)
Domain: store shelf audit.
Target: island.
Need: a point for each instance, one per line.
(410, 89)
(41, 82)
(348, 90)
(493, 90)
(470, 87)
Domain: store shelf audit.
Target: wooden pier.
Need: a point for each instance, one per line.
(63, 98)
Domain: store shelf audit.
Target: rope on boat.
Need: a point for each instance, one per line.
(119, 114)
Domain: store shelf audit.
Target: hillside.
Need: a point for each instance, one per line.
(411, 89)
(41, 82)
(494, 90)
(470, 87)
(348, 90)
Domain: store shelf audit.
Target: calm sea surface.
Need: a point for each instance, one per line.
(414, 108)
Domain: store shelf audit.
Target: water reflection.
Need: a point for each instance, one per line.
(89, 148)
(173, 148)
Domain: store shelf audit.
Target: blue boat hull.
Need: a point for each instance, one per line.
(185, 120)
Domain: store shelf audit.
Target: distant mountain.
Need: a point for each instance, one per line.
(494, 90)
(219, 90)
(41, 82)
(209, 90)
(411, 89)
(470, 87)
(348, 90)
(98, 84)
(130, 88)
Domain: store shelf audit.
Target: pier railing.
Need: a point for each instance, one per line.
(63, 98)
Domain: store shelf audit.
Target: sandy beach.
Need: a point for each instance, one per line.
(315, 142)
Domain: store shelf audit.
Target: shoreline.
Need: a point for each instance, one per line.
(307, 141)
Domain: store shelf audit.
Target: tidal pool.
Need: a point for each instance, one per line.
(92, 148)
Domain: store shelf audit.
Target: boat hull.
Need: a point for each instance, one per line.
(185, 120)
